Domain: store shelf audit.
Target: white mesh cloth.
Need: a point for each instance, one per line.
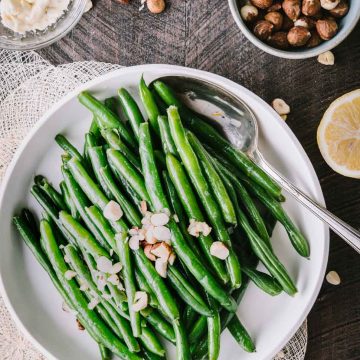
(30, 86)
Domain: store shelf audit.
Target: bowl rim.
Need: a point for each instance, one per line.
(10, 45)
(175, 69)
(300, 54)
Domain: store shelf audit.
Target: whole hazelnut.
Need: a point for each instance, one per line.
(263, 29)
(314, 40)
(274, 7)
(298, 36)
(287, 23)
(262, 4)
(249, 13)
(275, 18)
(156, 6)
(279, 40)
(329, 4)
(305, 22)
(341, 10)
(311, 7)
(292, 8)
(326, 28)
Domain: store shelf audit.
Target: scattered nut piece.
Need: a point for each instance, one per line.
(298, 36)
(112, 211)
(333, 278)
(161, 267)
(329, 4)
(292, 8)
(263, 29)
(69, 274)
(80, 325)
(162, 233)
(219, 250)
(159, 219)
(275, 18)
(249, 13)
(197, 227)
(116, 268)
(262, 4)
(311, 7)
(149, 236)
(156, 6)
(93, 303)
(114, 279)
(172, 258)
(340, 10)
(326, 58)
(280, 106)
(140, 301)
(134, 242)
(148, 254)
(305, 22)
(161, 250)
(84, 286)
(103, 264)
(143, 207)
(326, 28)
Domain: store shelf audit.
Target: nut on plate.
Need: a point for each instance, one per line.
(279, 40)
(329, 4)
(275, 18)
(262, 4)
(263, 29)
(298, 36)
(340, 10)
(292, 8)
(326, 28)
(156, 6)
(311, 7)
(305, 22)
(314, 40)
(249, 13)
(326, 58)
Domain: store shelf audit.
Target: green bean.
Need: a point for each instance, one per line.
(186, 292)
(53, 194)
(105, 118)
(214, 331)
(186, 195)
(68, 147)
(87, 317)
(69, 201)
(198, 330)
(192, 166)
(157, 284)
(189, 317)
(29, 217)
(148, 355)
(121, 323)
(160, 159)
(131, 110)
(263, 281)
(129, 279)
(214, 180)
(144, 286)
(113, 139)
(91, 139)
(182, 344)
(149, 105)
(241, 335)
(166, 139)
(181, 248)
(105, 353)
(247, 202)
(111, 104)
(159, 102)
(210, 135)
(130, 174)
(150, 341)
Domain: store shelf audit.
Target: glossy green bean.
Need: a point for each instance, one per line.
(189, 317)
(150, 341)
(64, 143)
(193, 169)
(111, 104)
(214, 331)
(198, 330)
(68, 200)
(105, 118)
(166, 139)
(105, 353)
(182, 343)
(241, 335)
(52, 193)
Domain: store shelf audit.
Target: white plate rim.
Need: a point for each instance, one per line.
(167, 69)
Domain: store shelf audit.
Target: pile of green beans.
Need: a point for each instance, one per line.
(179, 164)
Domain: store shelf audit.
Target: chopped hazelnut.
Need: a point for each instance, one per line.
(326, 28)
(275, 18)
(292, 8)
(263, 29)
(311, 7)
(298, 36)
(274, 7)
(249, 13)
(262, 4)
(326, 58)
(280, 106)
(340, 10)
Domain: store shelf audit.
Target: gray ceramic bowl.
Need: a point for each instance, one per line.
(346, 25)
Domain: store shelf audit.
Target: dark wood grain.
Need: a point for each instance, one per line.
(203, 35)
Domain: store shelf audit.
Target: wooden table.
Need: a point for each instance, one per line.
(202, 34)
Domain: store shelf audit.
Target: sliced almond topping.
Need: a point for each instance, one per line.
(333, 278)
(149, 235)
(84, 286)
(101, 283)
(161, 250)
(166, 211)
(162, 233)
(219, 250)
(140, 301)
(112, 211)
(121, 287)
(92, 304)
(104, 264)
(197, 227)
(146, 219)
(69, 274)
(205, 229)
(116, 268)
(280, 106)
(159, 219)
(134, 231)
(143, 207)
(134, 242)
(172, 258)
(161, 267)
(148, 254)
(114, 279)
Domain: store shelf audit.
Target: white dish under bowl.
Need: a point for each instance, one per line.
(28, 292)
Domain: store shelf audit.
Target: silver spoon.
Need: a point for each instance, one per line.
(239, 124)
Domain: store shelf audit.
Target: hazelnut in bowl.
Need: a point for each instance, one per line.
(296, 29)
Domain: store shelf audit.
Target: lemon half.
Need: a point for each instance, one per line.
(338, 135)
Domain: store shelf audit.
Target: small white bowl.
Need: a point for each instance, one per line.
(346, 25)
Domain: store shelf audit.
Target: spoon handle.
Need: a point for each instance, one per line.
(344, 230)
